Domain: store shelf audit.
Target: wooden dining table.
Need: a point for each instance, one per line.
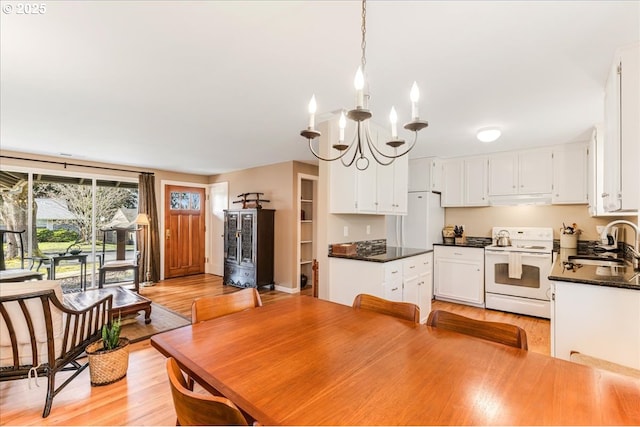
(306, 361)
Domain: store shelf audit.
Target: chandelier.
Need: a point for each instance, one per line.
(355, 151)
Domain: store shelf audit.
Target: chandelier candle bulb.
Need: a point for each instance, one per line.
(393, 117)
(358, 82)
(415, 97)
(342, 124)
(312, 112)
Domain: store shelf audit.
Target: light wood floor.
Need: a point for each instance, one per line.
(143, 396)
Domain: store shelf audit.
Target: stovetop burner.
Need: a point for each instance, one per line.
(524, 239)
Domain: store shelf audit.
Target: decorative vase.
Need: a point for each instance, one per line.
(108, 366)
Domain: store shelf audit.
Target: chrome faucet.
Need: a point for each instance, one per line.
(636, 248)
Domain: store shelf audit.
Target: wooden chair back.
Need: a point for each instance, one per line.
(196, 409)
(503, 333)
(206, 308)
(402, 310)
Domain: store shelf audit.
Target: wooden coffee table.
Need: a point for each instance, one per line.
(124, 301)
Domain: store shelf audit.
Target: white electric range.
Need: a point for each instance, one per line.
(516, 276)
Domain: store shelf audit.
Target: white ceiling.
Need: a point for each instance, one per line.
(213, 86)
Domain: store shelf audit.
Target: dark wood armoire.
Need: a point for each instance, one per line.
(249, 247)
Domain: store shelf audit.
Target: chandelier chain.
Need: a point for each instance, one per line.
(363, 44)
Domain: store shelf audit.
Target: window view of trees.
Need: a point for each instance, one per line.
(64, 211)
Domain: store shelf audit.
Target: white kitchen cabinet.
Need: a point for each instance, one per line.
(535, 171)
(425, 174)
(452, 183)
(475, 181)
(459, 274)
(392, 184)
(570, 174)
(595, 176)
(367, 189)
(376, 190)
(393, 280)
(622, 132)
(407, 279)
(503, 174)
(522, 172)
(425, 284)
(464, 182)
(598, 321)
(348, 278)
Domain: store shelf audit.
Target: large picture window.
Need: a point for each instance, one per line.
(69, 222)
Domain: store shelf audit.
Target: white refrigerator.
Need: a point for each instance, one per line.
(421, 227)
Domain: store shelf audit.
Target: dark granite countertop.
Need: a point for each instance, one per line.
(622, 276)
(389, 253)
(468, 244)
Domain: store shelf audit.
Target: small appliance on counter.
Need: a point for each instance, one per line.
(448, 235)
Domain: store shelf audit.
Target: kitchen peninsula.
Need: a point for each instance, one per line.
(394, 273)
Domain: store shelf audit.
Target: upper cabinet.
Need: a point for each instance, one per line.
(570, 174)
(475, 181)
(464, 182)
(379, 189)
(523, 172)
(622, 133)
(556, 175)
(425, 174)
(452, 183)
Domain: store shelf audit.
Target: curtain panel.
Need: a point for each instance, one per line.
(147, 204)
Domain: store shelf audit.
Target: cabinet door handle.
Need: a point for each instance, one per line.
(457, 253)
(394, 272)
(413, 266)
(394, 289)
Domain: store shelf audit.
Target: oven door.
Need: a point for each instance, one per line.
(525, 275)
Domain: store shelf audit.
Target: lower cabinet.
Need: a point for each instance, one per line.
(598, 321)
(458, 274)
(408, 279)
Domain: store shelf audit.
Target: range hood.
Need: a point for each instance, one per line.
(520, 199)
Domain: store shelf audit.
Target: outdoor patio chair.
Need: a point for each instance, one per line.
(121, 263)
(25, 270)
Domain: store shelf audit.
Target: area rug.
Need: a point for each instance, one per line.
(162, 320)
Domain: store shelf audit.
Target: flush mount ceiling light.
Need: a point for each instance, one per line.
(488, 134)
(361, 114)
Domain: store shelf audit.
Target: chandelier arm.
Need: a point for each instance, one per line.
(358, 147)
(392, 157)
(323, 158)
(373, 150)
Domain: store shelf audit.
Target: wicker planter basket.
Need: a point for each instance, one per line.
(108, 366)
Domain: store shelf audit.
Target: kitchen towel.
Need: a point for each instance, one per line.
(515, 265)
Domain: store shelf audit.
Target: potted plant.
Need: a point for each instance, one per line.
(108, 357)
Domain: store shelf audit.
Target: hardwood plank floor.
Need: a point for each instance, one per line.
(143, 396)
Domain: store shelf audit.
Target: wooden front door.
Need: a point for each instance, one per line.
(184, 232)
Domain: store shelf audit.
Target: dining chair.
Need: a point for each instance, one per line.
(503, 333)
(402, 310)
(197, 409)
(210, 307)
